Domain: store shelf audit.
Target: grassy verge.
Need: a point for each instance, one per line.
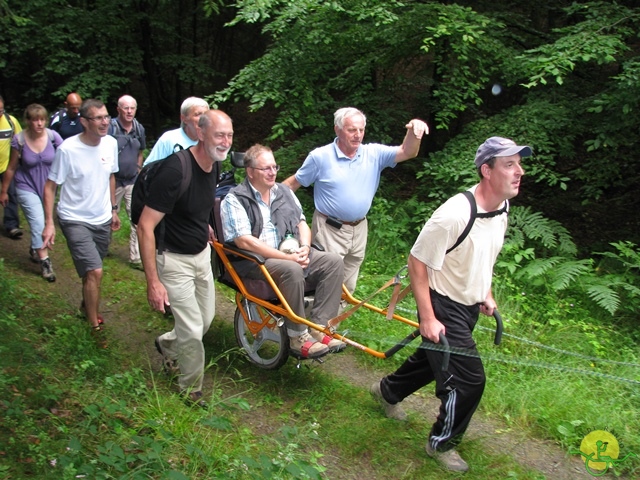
(70, 409)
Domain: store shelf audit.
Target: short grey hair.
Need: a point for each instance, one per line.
(191, 102)
(88, 105)
(343, 113)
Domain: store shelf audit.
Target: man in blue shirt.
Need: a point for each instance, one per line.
(183, 137)
(67, 121)
(346, 175)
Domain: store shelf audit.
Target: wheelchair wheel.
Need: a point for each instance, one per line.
(262, 335)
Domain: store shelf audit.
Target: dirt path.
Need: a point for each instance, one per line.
(545, 457)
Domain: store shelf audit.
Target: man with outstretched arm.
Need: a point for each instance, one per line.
(339, 221)
(451, 282)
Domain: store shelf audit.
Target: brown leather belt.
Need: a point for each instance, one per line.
(351, 224)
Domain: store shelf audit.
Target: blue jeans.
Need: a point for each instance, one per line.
(34, 212)
(11, 218)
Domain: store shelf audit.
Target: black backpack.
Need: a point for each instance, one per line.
(146, 176)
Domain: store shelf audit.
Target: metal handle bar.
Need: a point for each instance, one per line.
(447, 352)
(402, 343)
(416, 333)
(498, 338)
(443, 340)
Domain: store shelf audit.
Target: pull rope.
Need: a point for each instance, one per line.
(547, 347)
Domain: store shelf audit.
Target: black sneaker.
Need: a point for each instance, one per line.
(33, 255)
(15, 234)
(47, 270)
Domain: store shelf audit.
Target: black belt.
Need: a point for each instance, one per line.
(344, 222)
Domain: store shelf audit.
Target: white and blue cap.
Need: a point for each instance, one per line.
(499, 147)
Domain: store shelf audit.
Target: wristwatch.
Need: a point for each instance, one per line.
(114, 208)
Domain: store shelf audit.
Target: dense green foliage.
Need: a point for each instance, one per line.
(159, 51)
(561, 76)
(566, 77)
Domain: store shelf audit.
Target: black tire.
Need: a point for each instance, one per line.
(268, 348)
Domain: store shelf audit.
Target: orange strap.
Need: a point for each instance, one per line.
(395, 298)
(347, 313)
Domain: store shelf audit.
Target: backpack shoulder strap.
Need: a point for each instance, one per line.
(472, 218)
(11, 124)
(20, 138)
(113, 127)
(136, 129)
(52, 139)
(474, 214)
(187, 173)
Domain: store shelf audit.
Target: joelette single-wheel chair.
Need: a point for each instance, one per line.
(261, 308)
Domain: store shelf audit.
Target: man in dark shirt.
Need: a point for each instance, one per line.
(131, 142)
(180, 274)
(67, 121)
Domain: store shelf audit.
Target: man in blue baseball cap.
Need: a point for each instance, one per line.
(451, 268)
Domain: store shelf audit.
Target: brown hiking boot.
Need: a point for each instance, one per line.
(450, 459)
(391, 410)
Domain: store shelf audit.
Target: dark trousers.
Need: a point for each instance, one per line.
(11, 218)
(459, 388)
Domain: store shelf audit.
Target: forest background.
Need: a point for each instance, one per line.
(560, 76)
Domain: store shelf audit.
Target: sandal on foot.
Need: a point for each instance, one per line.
(169, 365)
(334, 344)
(83, 311)
(195, 398)
(305, 346)
(98, 333)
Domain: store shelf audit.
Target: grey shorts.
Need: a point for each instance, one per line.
(87, 243)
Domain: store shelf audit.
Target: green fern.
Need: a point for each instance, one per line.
(538, 267)
(627, 254)
(566, 272)
(549, 233)
(604, 296)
